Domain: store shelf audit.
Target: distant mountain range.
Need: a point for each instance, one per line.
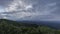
(52, 24)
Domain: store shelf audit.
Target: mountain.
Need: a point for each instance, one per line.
(14, 27)
(51, 24)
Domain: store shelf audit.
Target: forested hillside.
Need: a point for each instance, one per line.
(13, 27)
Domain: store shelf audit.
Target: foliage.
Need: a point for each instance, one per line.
(13, 27)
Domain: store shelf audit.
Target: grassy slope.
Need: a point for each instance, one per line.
(13, 27)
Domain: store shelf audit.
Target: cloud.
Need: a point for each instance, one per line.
(1, 9)
(28, 10)
(18, 6)
(52, 4)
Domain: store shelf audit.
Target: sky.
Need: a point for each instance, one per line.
(35, 10)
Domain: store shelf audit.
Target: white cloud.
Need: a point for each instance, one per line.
(17, 6)
(28, 7)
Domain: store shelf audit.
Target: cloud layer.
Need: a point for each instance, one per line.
(31, 10)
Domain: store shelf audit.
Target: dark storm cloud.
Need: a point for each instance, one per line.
(57, 11)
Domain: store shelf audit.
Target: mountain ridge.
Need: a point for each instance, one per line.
(13, 27)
